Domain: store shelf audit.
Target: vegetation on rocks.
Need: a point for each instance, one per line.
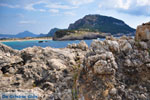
(78, 34)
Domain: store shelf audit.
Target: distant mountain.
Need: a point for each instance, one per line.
(6, 36)
(52, 32)
(19, 35)
(42, 35)
(25, 34)
(102, 24)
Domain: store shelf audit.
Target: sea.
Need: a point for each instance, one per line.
(19, 45)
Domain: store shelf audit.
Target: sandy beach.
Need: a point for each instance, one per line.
(25, 39)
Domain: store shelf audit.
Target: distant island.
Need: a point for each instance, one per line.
(94, 26)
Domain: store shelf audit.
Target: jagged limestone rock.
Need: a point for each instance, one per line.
(143, 32)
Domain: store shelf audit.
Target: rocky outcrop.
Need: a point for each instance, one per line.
(113, 69)
(143, 32)
(62, 35)
(46, 72)
(8, 56)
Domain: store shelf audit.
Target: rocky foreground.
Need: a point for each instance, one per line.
(113, 69)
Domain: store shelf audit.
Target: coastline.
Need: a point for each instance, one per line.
(25, 39)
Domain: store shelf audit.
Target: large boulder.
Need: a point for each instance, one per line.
(143, 32)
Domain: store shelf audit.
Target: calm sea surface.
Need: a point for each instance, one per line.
(19, 45)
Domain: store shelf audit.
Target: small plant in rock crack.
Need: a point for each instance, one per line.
(34, 85)
(76, 74)
(74, 89)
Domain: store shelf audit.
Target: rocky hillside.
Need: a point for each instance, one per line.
(77, 35)
(113, 69)
(52, 32)
(102, 24)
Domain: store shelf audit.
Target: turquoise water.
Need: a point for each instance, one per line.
(19, 45)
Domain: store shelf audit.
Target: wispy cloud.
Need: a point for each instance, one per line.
(27, 22)
(42, 10)
(80, 2)
(133, 7)
(58, 6)
(54, 10)
(9, 6)
(143, 3)
(51, 6)
(30, 7)
(70, 13)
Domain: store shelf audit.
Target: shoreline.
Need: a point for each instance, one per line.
(25, 39)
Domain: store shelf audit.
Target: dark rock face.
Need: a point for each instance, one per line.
(102, 24)
(113, 69)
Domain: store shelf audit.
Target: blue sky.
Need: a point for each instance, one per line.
(39, 16)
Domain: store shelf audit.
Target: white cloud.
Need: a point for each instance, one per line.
(123, 4)
(27, 22)
(30, 6)
(9, 6)
(134, 7)
(54, 10)
(58, 6)
(69, 13)
(80, 2)
(52, 6)
(42, 10)
(143, 2)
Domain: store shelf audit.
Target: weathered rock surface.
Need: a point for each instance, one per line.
(45, 71)
(113, 69)
(143, 32)
(114, 72)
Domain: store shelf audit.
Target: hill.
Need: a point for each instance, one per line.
(102, 24)
(52, 32)
(25, 34)
(19, 35)
(94, 26)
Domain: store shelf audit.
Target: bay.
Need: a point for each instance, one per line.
(19, 45)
